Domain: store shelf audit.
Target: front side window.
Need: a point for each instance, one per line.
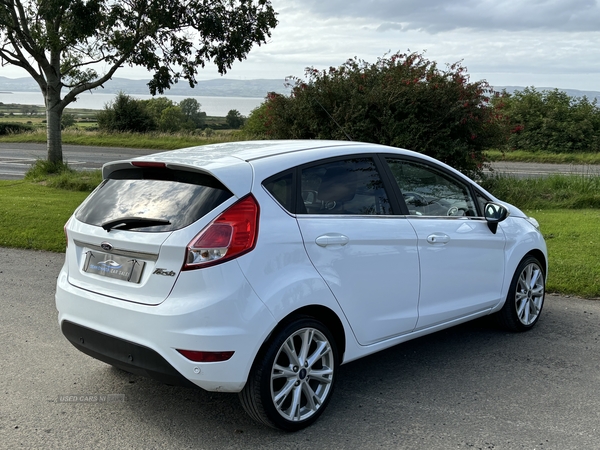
(351, 186)
(428, 191)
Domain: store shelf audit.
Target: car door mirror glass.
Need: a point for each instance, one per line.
(494, 214)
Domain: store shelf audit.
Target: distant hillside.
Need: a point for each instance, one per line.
(221, 87)
(570, 92)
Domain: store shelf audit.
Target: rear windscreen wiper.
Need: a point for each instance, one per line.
(127, 223)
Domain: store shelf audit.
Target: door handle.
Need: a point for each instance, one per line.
(332, 239)
(438, 238)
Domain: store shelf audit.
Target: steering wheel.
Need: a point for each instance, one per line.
(412, 198)
(456, 211)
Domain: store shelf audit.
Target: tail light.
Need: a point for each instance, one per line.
(230, 235)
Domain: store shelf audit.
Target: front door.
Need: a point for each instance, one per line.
(461, 260)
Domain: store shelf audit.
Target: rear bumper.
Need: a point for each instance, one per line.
(125, 355)
(202, 313)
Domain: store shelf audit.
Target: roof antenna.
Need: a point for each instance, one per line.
(334, 121)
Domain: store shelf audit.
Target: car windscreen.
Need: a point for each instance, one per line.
(152, 199)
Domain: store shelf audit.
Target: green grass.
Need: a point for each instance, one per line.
(543, 157)
(33, 215)
(573, 248)
(61, 176)
(158, 141)
(33, 212)
(551, 192)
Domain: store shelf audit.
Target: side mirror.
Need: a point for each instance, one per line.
(494, 214)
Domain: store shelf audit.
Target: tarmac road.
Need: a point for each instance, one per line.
(471, 387)
(15, 160)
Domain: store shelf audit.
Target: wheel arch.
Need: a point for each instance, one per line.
(318, 312)
(539, 255)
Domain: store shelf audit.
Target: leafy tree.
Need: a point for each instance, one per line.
(234, 119)
(191, 110)
(550, 121)
(155, 106)
(125, 113)
(67, 120)
(258, 122)
(28, 110)
(79, 44)
(402, 100)
(171, 119)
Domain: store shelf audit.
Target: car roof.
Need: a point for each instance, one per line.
(228, 162)
(247, 150)
(231, 162)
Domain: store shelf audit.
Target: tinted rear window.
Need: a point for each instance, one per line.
(177, 196)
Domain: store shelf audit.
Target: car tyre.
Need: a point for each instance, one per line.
(525, 299)
(292, 379)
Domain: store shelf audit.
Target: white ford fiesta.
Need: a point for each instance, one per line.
(259, 267)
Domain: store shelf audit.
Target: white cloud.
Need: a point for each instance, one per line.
(507, 42)
(545, 43)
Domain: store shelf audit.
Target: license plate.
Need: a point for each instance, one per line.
(114, 266)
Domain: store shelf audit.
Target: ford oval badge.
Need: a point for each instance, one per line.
(106, 246)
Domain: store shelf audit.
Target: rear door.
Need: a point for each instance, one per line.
(366, 254)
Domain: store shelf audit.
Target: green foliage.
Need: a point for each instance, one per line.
(402, 100)
(152, 140)
(73, 46)
(191, 110)
(550, 121)
(125, 113)
(172, 40)
(41, 169)
(129, 114)
(155, 106)
(171, 119)
(575, 191)
(67, 120)
(258, 122)
(14, 128)
(234, 119)
(543, 157)
(61, 176)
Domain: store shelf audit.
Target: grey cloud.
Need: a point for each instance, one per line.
(438, 15)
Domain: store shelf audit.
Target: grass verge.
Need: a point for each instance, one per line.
(33, 212)
(33, 215)
(577, 191)
(543, 157)
(158, 141)
(573, 248)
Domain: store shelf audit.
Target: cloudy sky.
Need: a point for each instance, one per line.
(544, 43)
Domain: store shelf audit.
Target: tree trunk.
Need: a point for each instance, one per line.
(54, 110)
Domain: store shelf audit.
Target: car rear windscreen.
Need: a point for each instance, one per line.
(163, 195)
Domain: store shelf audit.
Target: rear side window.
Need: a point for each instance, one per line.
(162, 199)
(350, 186)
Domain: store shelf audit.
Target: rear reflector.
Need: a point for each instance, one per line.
(197, 356)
